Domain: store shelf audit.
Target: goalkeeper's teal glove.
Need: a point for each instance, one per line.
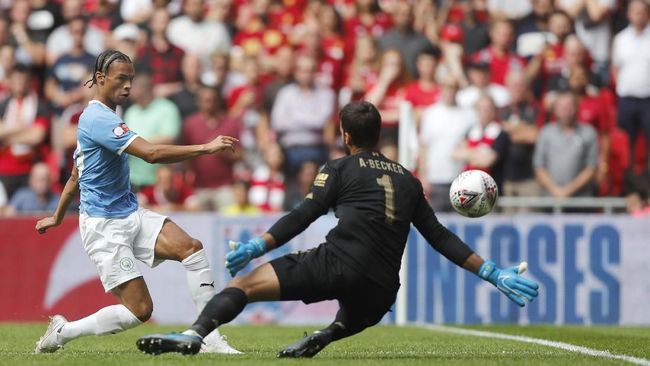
(517, 288)
(242, 253)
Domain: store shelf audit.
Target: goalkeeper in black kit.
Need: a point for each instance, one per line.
(375, 200)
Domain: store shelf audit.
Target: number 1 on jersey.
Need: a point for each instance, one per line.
(385, 182)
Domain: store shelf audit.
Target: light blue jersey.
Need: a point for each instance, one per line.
(103, 169)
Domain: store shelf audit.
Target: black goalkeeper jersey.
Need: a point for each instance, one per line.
(375, 200)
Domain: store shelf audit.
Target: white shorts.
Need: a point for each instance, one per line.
(114, 244)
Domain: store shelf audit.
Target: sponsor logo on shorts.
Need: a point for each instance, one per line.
(126, 264)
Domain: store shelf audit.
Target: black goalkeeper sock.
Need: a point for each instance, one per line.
(222, 308)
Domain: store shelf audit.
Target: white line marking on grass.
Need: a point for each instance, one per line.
(544, 342)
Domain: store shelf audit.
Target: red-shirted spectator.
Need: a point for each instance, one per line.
(486, 144)
(551, 60)
(363, 71)
(213, 173)
(369, 20)
(593, 110)
(23, 128)
(424, 91)
(389, 91)
(160, 57)
(169, 193)
(267, 182)
(498, 54)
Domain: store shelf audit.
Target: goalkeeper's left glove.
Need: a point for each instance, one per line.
(517, 288)
(242, 253)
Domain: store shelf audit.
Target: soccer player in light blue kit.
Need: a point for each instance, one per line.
(114, 231)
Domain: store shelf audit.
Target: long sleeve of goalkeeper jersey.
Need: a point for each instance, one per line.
(438, 236)
(322, 196)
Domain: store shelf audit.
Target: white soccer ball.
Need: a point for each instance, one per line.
(473, 193)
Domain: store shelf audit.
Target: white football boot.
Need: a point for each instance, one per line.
(216, 343)
(50, 342)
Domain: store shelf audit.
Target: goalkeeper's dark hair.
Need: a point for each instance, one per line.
(104, 61)
(362, 121)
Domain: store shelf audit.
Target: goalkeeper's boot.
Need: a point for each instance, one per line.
(156, 344)
(51, 342)
(309, 346)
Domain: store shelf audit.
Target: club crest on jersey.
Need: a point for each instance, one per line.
(467, 197)
(120, 130)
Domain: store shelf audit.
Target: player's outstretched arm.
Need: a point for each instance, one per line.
(70, 191)
(167, 154)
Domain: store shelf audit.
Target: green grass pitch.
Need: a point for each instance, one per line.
(382, 345)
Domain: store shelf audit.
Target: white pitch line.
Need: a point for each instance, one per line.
(544, 342)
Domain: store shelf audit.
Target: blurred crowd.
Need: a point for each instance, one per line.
(551, 97)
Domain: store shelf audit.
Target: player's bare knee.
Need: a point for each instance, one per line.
(241, 283)
(190, 247)
(142, 311)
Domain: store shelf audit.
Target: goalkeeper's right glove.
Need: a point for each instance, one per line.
(517, 288)
(242, 253)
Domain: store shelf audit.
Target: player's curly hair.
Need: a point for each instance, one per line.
(104, 61)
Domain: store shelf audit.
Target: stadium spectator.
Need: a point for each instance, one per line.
(244, 103)
(473, 21)
(424, 91)
(161, 58)
(282, 64)
(136, 11)
(637, 196)
(486, 144)
(403, 37)
(241, 204)
(24, 122)
(267, 181)
(566, 153)
(389, 91)
(61, 41)
(3, 199)
(592, 109)
(479, 83)
(548, 58)
(443, 127)
(153, 118)
(37, 197)
(368, 21)
(29, 42)
(302, 117)
(452, 54)
(194, 34)
(520, 120)
(591, 22)
(169, 193)
(299, 187)
(185, 98)
(362, 71)
(7, 63)
(498, 54)
(575, 56)
(632, 70)
(537, 21)
(126, 37)
(214, 174)
(332, 46)
(328, 54)
(510, 9)
(63, 86)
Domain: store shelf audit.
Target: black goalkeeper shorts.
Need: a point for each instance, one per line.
(317, 275)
